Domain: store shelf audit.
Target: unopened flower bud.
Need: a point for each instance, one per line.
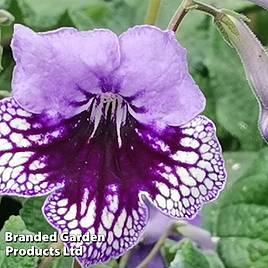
(253, 57)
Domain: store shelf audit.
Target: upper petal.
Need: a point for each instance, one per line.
(57, 70)
(154, 73)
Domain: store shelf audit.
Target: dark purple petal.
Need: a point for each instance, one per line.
(58, 70)
(189, 169)
(107, 211)
(102, 181)
(23, 165)
(154, 72)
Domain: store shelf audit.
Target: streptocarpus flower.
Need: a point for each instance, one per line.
(255, 62)
(102, 122)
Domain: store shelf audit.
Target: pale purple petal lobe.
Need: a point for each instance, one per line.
(154, 72)
(61, 68)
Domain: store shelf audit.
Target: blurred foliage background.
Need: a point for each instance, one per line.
(239, 218)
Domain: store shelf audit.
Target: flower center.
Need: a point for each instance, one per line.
(108, 108)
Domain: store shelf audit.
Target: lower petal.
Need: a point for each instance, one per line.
(189, 170)
(109, 213)
(24, 143)
(102, 183)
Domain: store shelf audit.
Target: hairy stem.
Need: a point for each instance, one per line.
(155, 249)
(153, 11)
(202, 237)
(124, 260)
(76, 264)
(4, 94)
(185, 7)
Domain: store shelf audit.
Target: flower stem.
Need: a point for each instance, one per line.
(76, 264)
(47, 261)
(155, 249)
(152, 12)
(185, 7)
(124, 260)
(4, 94)
(202, 237)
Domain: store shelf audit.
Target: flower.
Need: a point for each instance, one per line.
(102, 122)
(254, 59)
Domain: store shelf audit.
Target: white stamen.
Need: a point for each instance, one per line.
(109, 105)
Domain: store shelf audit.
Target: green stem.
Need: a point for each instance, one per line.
(124, 260)
(201, 236)
(4, 94)
(47, 261)
(155, 249)
(76, 264)
(152, 12)
(185, 7)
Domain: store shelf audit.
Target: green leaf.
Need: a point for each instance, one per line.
(92, 16)
(101, 14)
(237, 165)
(4, 4)
(2, 257)
(32, 215)
(45, 14)
(185, 255)
(243, 223)
(63, 262)
(16, 225)
(241, 220)
(5, 78)
(111, 264)
(168, 250)
(84, 14)
(189, 257)
(1, 53)
(213, 259)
